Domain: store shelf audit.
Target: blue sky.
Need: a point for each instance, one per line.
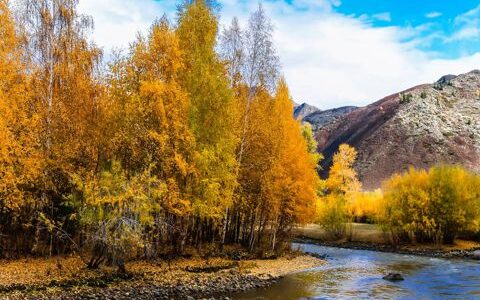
(438, 18)
(334, 52)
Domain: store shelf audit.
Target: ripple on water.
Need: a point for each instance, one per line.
(357, 274)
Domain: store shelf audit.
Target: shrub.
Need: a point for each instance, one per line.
(364, 206)
(406, 98)
(432, 205)
(333, 216)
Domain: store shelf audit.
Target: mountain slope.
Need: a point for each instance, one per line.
(319, 119)
(302, 110)
(422, 126)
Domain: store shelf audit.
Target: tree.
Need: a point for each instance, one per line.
(150, 122)
(292, 181)
(261, 61)
(307, 134)
(232, 51)
(433, 206)
(342, 176)
(341, 186)
(116, 210)
(20, 158)
(277, 179)
(212, 111)
(259, 65)
(454, 202)
(63, 65)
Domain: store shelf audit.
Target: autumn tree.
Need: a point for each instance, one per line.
(430, 206)
(63, 65)
(150, 121)
(251, 59)
(309, 137)
(454, 202)
(341, 185)
(291, 183)
(342, 177)
(20, 159)
(116, 212)
(211, 114)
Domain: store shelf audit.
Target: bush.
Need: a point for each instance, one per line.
(431, 206)
(405, 98)
(333, 216)
(364, 206)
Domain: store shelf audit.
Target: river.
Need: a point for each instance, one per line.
(357, 274)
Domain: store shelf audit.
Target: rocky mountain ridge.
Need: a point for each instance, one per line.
(425, 125)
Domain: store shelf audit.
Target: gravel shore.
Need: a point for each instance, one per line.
(179, 280)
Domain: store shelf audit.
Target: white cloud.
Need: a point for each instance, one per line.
(433, 15)
(117, 22)
(385, 16)
(328, 59)
(468, 24)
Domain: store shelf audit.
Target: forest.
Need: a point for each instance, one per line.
(185, 140)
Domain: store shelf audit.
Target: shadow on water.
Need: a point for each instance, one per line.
(357, 274)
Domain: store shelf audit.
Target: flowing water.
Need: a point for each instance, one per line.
(357, 274)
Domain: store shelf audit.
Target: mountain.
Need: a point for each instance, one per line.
(422, 126)
(319, 119)
(302, 110)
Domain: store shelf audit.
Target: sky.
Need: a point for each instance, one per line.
(333, 52)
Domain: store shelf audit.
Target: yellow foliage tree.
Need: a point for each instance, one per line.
(364, 206)
(278, 178)
(342, 177)
(341, 185)
(150, 127)
(212, 110)
(21, 161)
(432, 205)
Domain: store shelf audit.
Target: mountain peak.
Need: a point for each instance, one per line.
(302, 110)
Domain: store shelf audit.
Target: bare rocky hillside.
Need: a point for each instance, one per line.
(426, 125)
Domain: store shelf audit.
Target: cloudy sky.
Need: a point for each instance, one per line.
(334, 52)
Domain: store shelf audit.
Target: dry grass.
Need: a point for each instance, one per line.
(371, 233)
(366, 233)
(41, 271)
(34, 273)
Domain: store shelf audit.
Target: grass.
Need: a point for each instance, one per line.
(366, 233)
(372, 234)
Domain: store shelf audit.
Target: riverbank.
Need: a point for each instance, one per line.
(369, 237)
(196, 278)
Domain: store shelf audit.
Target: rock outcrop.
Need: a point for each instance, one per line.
(320, 119)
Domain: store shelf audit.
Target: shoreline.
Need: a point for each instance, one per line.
(182, 279)
(419, 250)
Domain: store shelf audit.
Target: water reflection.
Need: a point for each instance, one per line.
(357, 274)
